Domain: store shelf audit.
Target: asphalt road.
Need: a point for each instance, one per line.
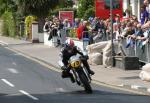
(25, 81)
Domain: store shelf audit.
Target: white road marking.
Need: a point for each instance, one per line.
(17, 54)
(7, 82)
(27, 94)
(60, 90)
(12, 70)
(14, 63)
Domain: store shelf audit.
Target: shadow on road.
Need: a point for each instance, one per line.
(77, 97)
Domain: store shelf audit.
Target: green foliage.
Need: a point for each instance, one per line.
(36, 7)
(89, 12)
(9, 28)
(83, 6)
(65, 3)
(7, 5)
(28, 24)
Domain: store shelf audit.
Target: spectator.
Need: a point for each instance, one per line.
(147, 4)
(94, 22)
(80, 30)
(46, 27)
(138, 32)
(144, 15)
(85, 33)
(76, 22)
(127, 31)
(116, 26)
(66, 26)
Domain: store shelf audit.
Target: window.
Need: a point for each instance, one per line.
(116, 4)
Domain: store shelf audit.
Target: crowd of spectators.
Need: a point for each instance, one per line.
(127, 26)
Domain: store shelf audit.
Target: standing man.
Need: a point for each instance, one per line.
(143, 15)
(147, 4)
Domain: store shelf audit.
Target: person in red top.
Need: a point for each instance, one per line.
(79, 31)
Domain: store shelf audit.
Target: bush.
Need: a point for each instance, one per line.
(83, 6)
(9, 27)
(28, 24)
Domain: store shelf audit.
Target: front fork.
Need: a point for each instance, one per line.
(76, 73)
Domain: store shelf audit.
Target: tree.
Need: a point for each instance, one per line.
(83, 6)
(65, 3)
(7, 5)
(36, 7)
(39, 8)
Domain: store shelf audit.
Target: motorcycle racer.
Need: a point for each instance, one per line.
(67, 51)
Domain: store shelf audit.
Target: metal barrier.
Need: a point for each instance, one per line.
(143, 52)
(90, 37)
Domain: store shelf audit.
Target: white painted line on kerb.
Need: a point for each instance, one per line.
(27, 94)
(3, 43)
(121, 85)
(135, 86)
(12, 70)
(7, 82)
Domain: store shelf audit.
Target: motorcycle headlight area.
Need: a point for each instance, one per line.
(75, 64)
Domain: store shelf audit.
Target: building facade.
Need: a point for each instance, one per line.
(133, 6)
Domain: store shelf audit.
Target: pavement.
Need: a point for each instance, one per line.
(113, 77)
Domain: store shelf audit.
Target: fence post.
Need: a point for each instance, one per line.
(35, 35)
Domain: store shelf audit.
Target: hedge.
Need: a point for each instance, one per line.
(9, 27)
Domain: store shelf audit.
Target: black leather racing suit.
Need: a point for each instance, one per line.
(66, 56)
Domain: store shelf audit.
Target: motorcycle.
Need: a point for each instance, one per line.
(79, 72)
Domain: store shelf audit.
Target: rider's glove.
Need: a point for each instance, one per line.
(64, 68)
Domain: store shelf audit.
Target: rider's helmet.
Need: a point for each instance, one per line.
(69, 43)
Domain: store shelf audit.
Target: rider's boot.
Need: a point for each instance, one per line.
(71, 78)
(89, 70)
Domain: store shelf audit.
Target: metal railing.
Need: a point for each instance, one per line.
(140, 51)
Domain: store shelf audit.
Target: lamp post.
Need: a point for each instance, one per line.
(112, 44)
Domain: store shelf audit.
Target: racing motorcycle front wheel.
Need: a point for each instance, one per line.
(86, 84)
